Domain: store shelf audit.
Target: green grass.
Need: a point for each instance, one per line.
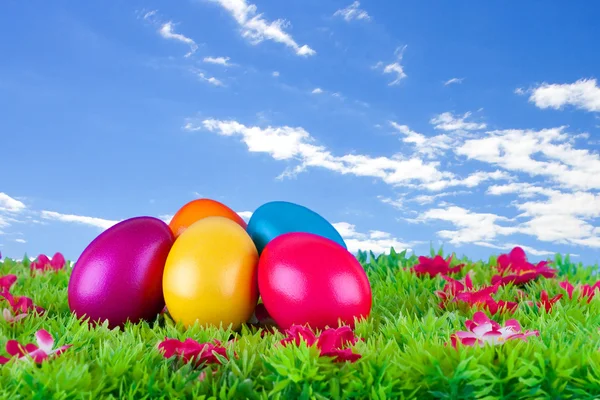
(403, 355)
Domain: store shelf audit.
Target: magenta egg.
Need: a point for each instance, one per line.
(304, 278)
(118, 277)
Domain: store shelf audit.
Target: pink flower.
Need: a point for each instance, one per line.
(568, 287)
(39, 353)
(455, 291)
(482, 331)
(190, 350)
(297, 334)
(514, 268)
(331, 342)
(545, 302)
(10, 318)
(464, 291)
(21, 303)
(43, 263)
(586, 290)
(18, 304)
(435, 266)
(494, 306)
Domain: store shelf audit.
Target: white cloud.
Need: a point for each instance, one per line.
(430, 146)
(449, 122)
(78, 219)
(376, 241)
(224, 61)
(583, 94)
(545, 153)
(427, 199)
(166, 218)
(19, 240)
(296, 144)
(245, 215)
(167, 31)
(396, 203)
(520, 91)
(395, 67)
(472, 226)
(453, 80)
(255, 28)
(352, 12)
(149, 15)
(275, 74)
(472, 180)
(523, 189)
(10, 204)
(210, 79)
(562, 217)
(317, 91)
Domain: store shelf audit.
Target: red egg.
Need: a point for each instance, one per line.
(304, 278)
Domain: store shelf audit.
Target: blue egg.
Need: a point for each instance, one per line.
(278, 217)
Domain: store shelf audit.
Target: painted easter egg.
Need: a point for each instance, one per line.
(197, 209)
(278, 217)
(118, 277)
(305, 278)
(211, 274)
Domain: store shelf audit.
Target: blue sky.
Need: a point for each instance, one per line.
(475, 125)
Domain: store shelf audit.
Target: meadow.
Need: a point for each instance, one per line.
(441, 327)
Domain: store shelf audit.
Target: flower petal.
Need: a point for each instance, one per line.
(482, 329)
(464, 335)
(62, 349)
(514, 324)
(7, 281)
(469, 341)
(169, 347)
(491, 334)
(19, 317)
(15, 348)
(38, 355)
(481, 318)
(58, 261)
(342, 355)
(297, 334)
(517, 254)
(331, 339)
(45, 340)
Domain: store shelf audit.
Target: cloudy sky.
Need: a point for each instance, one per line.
(475, 125)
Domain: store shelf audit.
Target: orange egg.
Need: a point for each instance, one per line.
(198, 209)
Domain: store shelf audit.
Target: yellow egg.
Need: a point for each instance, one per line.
(210, 274)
